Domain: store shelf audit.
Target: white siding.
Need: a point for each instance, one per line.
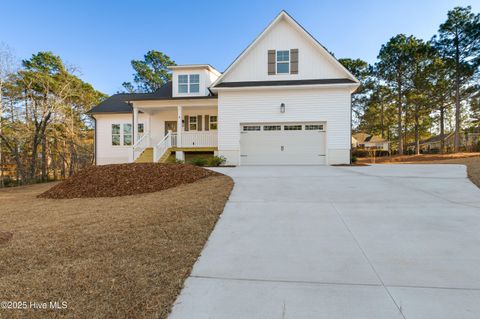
(155, 123)
(312, 64)
(106, 152)
(302, 105)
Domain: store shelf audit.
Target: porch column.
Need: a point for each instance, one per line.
(135, 125)
(179, 155)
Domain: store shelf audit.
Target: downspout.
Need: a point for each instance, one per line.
(351, 123)
(133, 131)
(95, 141)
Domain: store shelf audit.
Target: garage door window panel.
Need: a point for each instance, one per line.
(292, 127)
(252, 128)
(272, 127)
(314, 127)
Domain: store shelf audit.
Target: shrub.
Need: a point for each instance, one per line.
(199, 161)
(360, 153)
(173, 160)
(216, 161)
(354, 159)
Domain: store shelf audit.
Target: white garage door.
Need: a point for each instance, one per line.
(282, 144)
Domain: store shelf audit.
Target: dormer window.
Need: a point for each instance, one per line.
(188, 83)
(283, 61)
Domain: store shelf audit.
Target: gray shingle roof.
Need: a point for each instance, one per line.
(118, 103)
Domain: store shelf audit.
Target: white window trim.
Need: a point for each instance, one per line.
(282, 62)
(121, 134)
(190, 123)
(188, 83)
(210, 122)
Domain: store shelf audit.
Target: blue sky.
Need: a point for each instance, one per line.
(101, 37)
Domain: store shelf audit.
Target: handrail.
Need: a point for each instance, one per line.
(140, 146)
(161, 147)
(140, 140)
(164, 138)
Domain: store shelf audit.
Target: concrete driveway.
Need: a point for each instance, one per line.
(387, 241)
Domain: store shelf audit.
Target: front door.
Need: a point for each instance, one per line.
(170, 126)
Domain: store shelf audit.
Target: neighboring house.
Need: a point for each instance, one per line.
(468, 141)
(364, 140)
(284, 100)
(354, 142)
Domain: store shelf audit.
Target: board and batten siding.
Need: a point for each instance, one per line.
(302, 105)
(312, 63)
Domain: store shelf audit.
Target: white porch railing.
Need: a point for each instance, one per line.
(199, 139)
(140, 146)
(162, 147)
(188, 140)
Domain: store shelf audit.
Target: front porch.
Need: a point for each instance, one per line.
(162, 130)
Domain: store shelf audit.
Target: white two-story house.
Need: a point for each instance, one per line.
(284, 100)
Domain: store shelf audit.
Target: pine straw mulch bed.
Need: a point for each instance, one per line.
(415, 158)
(126, 179)
(121, 257)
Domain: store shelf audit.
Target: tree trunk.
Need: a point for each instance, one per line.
(442, 129)
(417, 132)
(405, 129)
(1, 150)
(382, 124)
(72, 160)
(33, 159)
(456, 142)
(44, 158)
(399, 106)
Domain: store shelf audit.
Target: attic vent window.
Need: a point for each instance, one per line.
(283, 61)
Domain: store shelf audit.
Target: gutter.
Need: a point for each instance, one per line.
(95, 141)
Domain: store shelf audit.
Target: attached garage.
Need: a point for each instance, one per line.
(283, 144)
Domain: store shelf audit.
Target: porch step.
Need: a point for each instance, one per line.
(165, 156)
(146, 156)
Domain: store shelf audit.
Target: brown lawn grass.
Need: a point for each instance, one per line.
(471, 160)
(119, 257)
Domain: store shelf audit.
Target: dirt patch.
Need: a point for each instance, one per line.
(5, 236)
(123, 257)
(126, 179)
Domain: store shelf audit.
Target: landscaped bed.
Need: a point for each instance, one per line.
(471, 160)
(107, 257)
(126, 179)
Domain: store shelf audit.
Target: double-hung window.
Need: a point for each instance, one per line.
(194, 83)
(127, 134)
(283, 61)
(188, 83)
(115, 134)
(193, 123)
(122, 134)
(183, 83)
(141, 130)
(213, 122)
